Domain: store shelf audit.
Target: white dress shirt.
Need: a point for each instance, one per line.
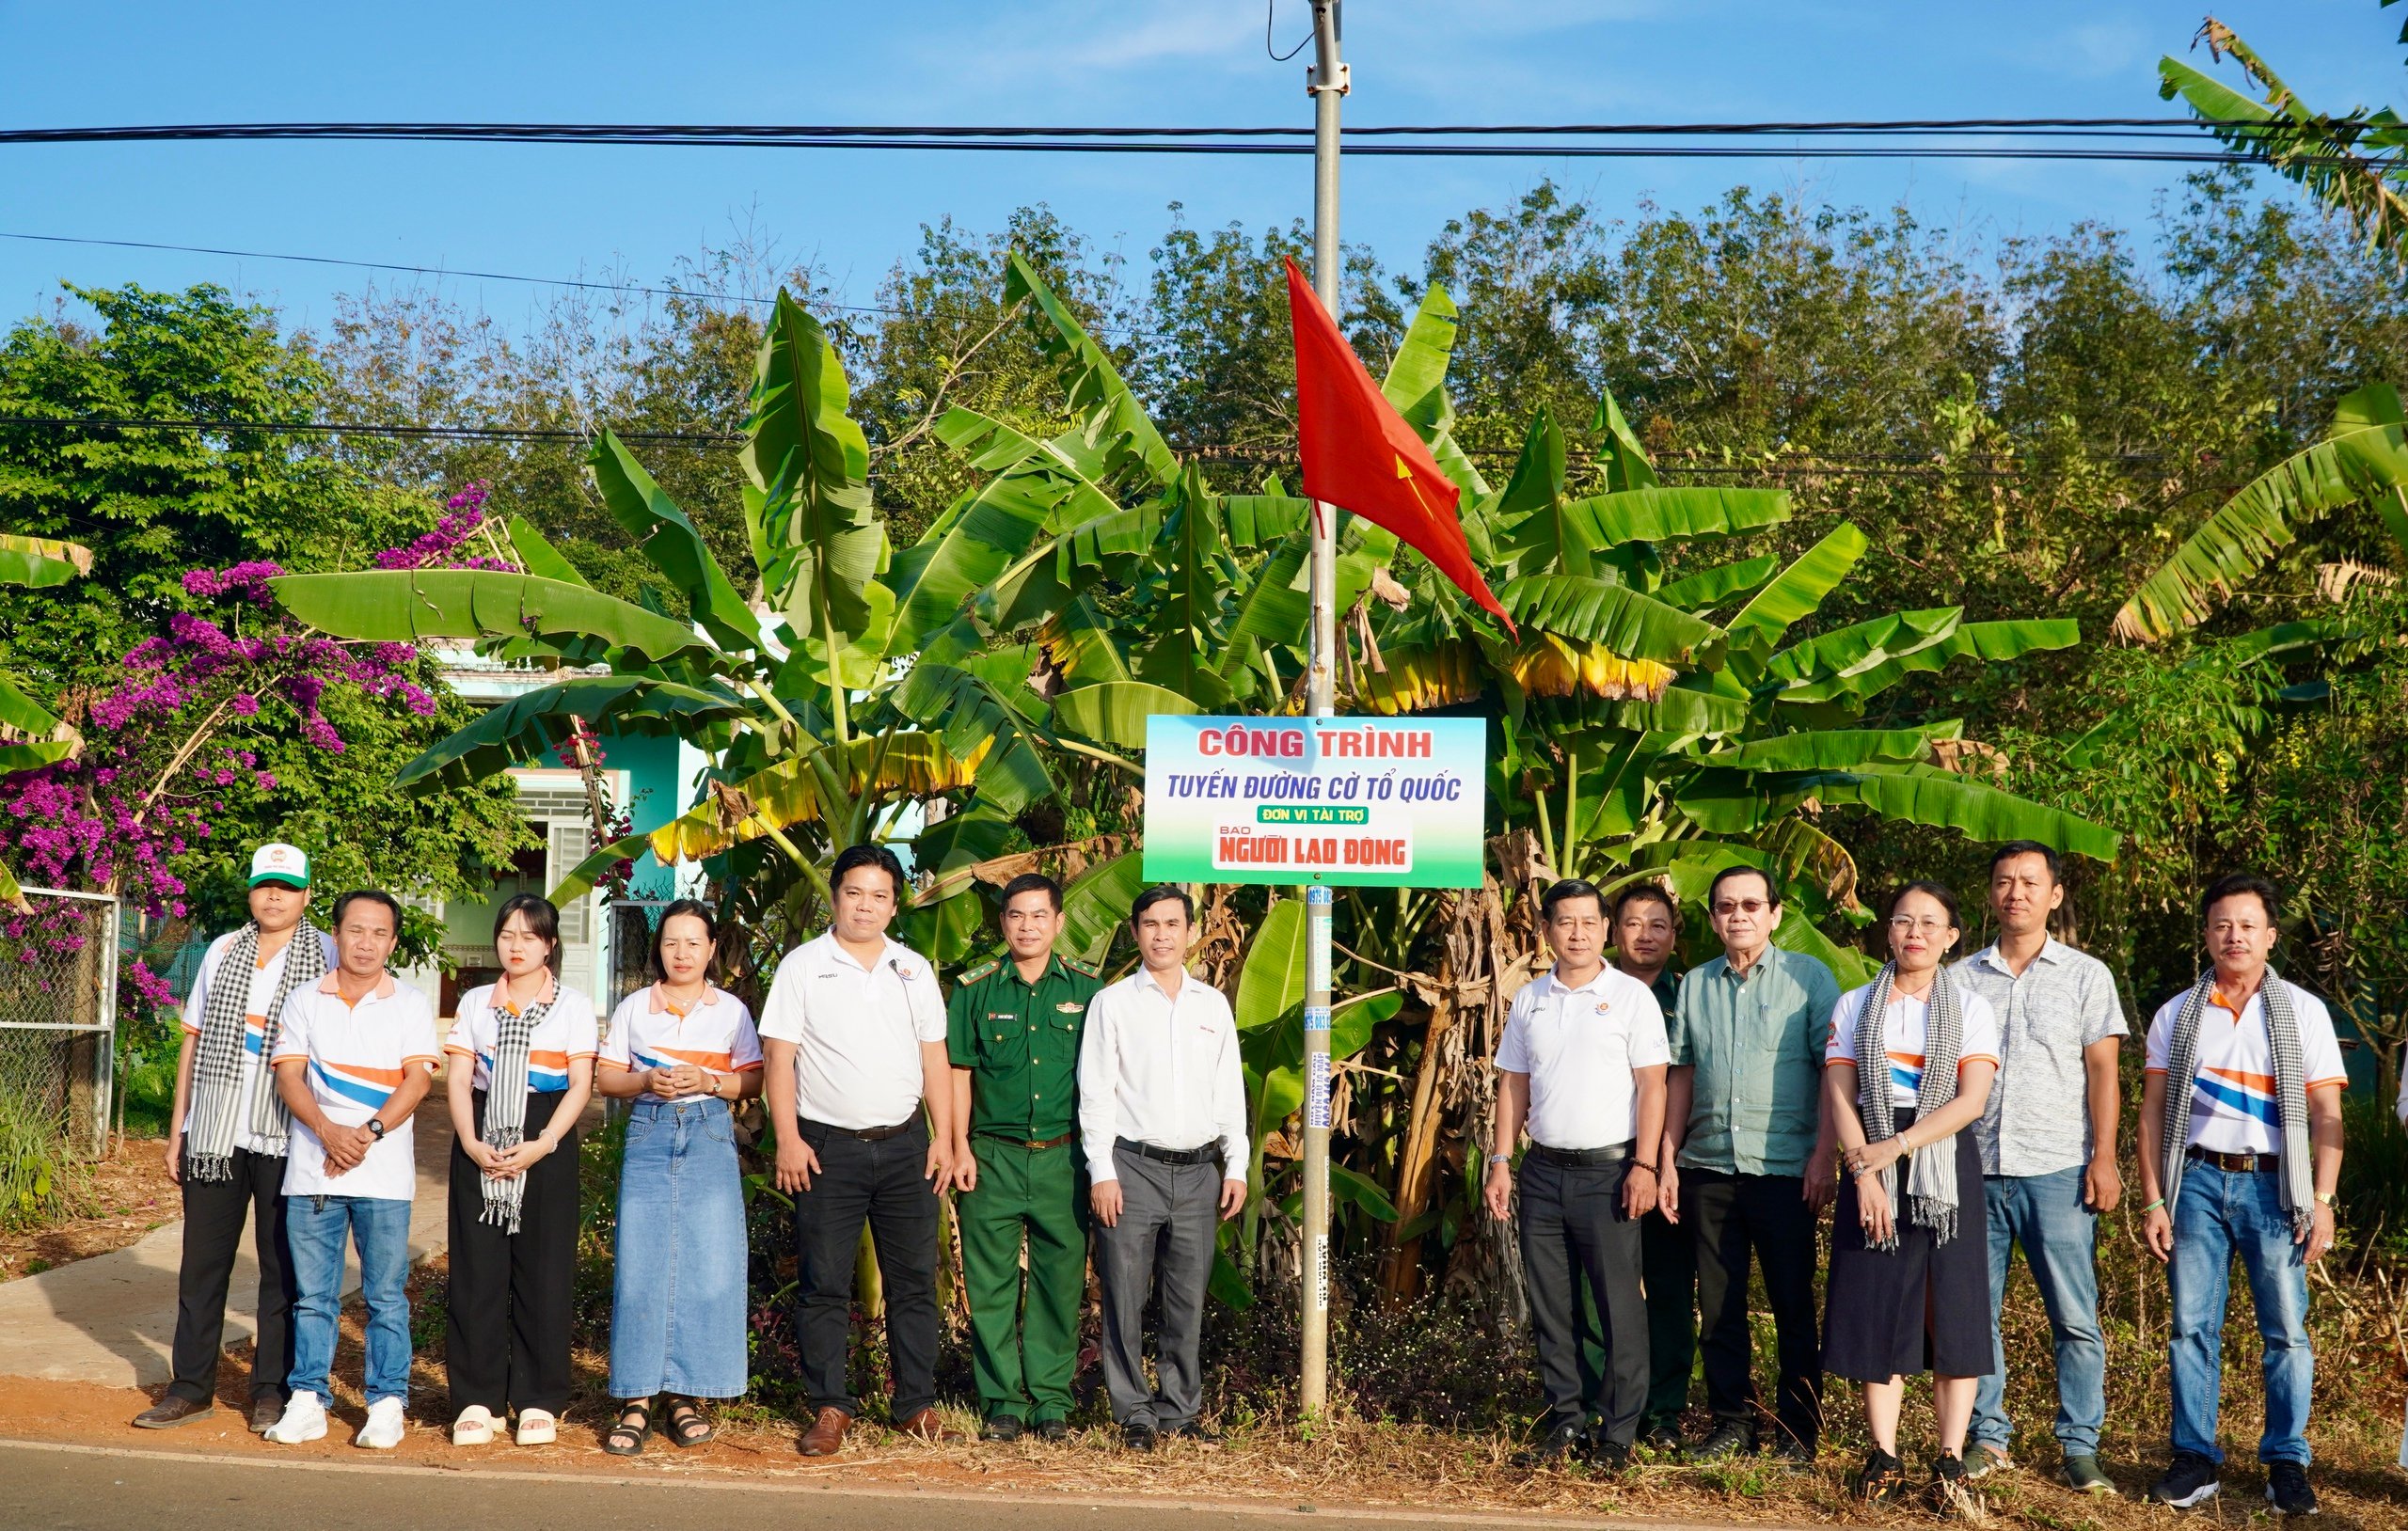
(857, 1031)
(1580, 1047)
(1162, 1069)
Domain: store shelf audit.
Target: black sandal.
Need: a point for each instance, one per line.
(633, 1433)
(682, 1420)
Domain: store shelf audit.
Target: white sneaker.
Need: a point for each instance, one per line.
(537, 1428)
(383, 1432)
(474, 1428)
(304, 1419)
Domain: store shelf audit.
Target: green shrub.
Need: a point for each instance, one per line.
(41, 1181)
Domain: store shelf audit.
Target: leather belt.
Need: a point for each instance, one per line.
(1205, 1154)
(1031, 1143)
(864, 1134)
(2235, 1163)
(1614, 1154)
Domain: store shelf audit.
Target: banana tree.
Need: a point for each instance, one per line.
(31, 735)
(2360, 459)
(794, 696)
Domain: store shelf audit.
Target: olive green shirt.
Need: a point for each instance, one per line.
(1756, 1044)
(1021, 1043)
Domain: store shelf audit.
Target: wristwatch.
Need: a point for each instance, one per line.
(2325, 1197)
(1500, 1158)
(376, 1127)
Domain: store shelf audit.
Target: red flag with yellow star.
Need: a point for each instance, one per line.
(1361, 455)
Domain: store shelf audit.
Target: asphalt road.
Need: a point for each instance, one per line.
(103, 1489)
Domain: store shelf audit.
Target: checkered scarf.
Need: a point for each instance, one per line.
(506, 1100)
(1931, 1172)
(2290, 1093)
(217, 1106)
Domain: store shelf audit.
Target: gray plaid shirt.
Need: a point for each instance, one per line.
(2065, 1001)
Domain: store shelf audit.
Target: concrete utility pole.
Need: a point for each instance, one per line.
(1326, 81)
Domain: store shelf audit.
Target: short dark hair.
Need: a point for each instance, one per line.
(1161, 892)
(1034, 882)
(2014, 848)
(1939, 891)
(543, 918)
(1648, 892)
(2234, 885)
(1563, 890)
(853, 857)
(1743, 869)
(374, 895)
(692, 908)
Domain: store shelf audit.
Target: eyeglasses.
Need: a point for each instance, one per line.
(1741, 906)
(1926, 925)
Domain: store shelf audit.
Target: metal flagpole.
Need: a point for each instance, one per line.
(1326, 80)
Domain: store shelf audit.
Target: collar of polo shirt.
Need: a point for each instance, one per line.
(1602, 976)
(886, 954)
(1145, 976)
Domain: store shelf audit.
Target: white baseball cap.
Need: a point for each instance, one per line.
(277, 862)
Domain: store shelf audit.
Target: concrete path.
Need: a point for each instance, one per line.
(112, 1319)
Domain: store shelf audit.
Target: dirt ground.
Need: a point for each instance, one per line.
(130, 1194)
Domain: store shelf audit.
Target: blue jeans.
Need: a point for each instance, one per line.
(2046, 1214)
(2217, 1215)
(316, 1227)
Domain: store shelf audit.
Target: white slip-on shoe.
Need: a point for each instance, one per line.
(383, 1432)
(304, 1419)
(537, 1428)
(474, 1428)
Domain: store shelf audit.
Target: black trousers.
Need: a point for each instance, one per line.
(214, 1211)
(1733, 1215)
(1572, 1219)
(881, 1184)
(513, 1294)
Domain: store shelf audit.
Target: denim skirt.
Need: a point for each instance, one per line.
(677, 1320)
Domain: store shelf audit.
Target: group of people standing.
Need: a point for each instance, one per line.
(1680, 1134)
(1950, 1112)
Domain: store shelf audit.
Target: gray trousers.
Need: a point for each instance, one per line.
(1168, 1213)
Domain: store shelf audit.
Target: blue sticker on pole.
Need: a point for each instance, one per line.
(1317, 1019)
(1317, 1090)
(1319, 892)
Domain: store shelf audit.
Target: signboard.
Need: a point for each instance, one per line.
(1359, 802)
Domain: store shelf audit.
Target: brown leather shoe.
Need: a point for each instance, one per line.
(928, 1426)
(265, 1410)
(826, 1436)
(173, 1411)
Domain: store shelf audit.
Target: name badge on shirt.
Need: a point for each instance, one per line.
(1001, 1015)
(1603, 1007)
(1069, 1007)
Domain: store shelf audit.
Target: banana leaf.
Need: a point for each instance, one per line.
(34, 755)
(536, 555)
(1700, 592)
(1857, 647)
(816, 537)
(2364, 454)
(1273, 980)
(517, 731)
(1417, 385)
(404, 606)
(1096, 905)
(1827, 749)
(807, 789)
(978, 724)
(1658, 515)
(38, 563)
(1114, 713)
(1095, 390)
(668, 539)
(1630, 624)
(1927, 795)
(21, 714)
(1799, 589)
(1618, 452)
(1992, 641)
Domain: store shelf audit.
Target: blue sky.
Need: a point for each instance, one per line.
(569, 212)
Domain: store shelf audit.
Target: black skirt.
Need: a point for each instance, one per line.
(1923, 1307)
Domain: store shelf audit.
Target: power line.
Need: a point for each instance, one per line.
(1248, 140)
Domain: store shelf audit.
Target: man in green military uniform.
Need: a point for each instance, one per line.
(1014, 1041)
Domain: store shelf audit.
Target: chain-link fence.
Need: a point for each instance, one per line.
(58, 1011)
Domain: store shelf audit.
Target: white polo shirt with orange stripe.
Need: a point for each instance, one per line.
(1903, 1025)
(2232, 1094)
(650, 1031)
(264, 977)
(569, 1031)
(358, 1057)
